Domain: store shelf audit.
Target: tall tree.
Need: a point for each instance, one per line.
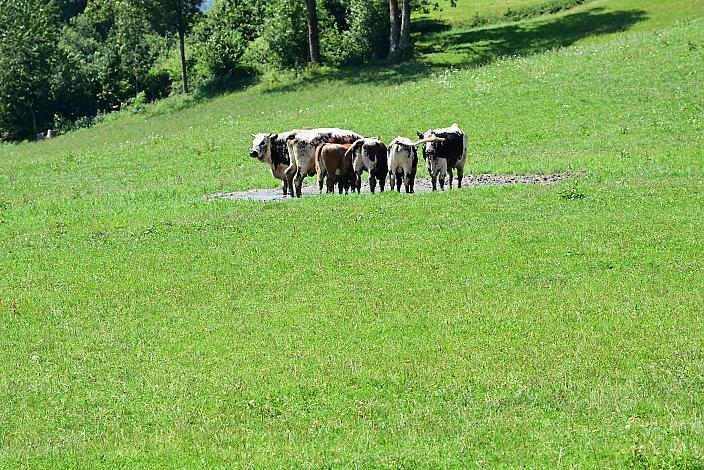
(132, 37)
(176, 16)
(395, 24)
(404, 43)
(28, 37)
(313, 34)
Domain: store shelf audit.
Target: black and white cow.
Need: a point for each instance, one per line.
(272, 150)
(443, 156)
(301, 149)
(403, 161)
(369, 155)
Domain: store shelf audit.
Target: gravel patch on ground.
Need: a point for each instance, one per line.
(422, 185)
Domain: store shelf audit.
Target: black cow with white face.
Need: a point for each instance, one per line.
(272, 150)
(442, 156)
(371, 155)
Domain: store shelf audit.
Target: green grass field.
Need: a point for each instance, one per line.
(141, 325)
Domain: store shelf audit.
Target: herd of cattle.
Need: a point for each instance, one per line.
(341, 156)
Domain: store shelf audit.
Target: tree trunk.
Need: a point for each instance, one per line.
(34, 121)
(395, 22)
(182, 46)
(405, 39)
(313, 36)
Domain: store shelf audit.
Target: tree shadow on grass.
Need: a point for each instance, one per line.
(440, 48)
(430, 25)
(477, 47)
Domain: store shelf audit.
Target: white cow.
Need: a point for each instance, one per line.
(403, 161)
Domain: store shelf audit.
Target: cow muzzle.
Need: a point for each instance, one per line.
(254, 154)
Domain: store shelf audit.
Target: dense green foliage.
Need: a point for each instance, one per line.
(95, 56)
(534, 326)
(364, 36)
(28, 55)
(223, 36)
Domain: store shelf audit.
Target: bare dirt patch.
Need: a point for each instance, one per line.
(422, 185)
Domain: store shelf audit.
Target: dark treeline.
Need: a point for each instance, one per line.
(64, 63)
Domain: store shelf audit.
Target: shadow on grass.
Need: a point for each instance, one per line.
(430, 25)
(481, 46)
(441, 47)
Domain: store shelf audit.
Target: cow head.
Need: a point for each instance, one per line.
(261, 147)
(431, 144)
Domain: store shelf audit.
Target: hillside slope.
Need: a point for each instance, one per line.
(143, 325)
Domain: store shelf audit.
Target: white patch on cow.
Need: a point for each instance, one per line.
(400, 156)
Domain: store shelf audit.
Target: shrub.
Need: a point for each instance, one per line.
(358, 33)
(157, 84)
(221, 39)
(285, 33)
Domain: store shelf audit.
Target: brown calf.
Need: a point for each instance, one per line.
(331, 161)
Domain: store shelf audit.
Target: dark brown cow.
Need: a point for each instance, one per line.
(332, 162)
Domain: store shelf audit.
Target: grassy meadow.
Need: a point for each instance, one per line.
(141, 325)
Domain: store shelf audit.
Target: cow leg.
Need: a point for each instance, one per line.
(392, 179)
(407, 182)
(284, 186)
(433, 170)
(372, 183)
(460, 174)
(382, 182)
(289, 175)
(331, 182)
(449, 173)
(288, 181)
(443, 174)
(413, 180)
(399, 181)
(358, 182)
(299, 182)
(321, 179)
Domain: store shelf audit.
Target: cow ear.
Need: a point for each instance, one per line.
(273, 136)
(420, 134)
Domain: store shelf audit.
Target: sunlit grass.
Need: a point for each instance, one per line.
(141, 325)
